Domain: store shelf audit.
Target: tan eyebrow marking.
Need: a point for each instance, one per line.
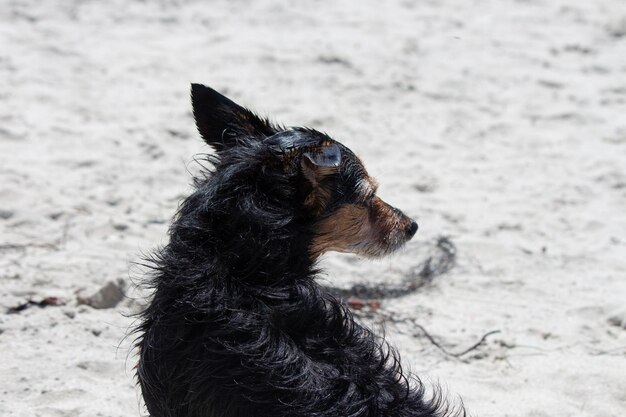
(373, 183)
(367, 186)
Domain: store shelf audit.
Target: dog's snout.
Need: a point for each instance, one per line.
(411, 229)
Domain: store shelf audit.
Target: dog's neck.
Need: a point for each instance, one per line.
(252, 250)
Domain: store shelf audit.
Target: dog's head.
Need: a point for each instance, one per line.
(335, 194)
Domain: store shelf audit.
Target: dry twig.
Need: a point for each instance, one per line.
(446, 351)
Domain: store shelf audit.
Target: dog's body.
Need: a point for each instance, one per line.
(238, 326)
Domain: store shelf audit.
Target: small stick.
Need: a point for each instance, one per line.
(444, 350)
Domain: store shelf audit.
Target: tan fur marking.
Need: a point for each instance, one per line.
(355, 228)
(317, 199)
(319, 196)
(341, 230)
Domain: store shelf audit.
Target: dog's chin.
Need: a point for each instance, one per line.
(377, 249)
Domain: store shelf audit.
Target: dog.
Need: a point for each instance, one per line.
(237, 325)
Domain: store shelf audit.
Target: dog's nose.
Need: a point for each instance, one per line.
(411, 229)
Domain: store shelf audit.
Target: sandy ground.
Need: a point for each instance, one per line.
(501, 124)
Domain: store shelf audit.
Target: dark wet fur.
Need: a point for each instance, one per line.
(237, 325)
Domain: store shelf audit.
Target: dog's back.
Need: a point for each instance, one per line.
(237, 325)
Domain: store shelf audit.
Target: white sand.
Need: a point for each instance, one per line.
(499, 123)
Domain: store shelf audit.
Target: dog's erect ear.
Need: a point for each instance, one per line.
(317, 164)
(220, 121)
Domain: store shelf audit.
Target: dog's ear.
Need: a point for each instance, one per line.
(317, 164)
(320, 162)
(220, 121)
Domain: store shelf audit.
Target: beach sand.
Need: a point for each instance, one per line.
(501, 125)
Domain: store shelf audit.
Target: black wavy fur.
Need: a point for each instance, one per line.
(237, 325)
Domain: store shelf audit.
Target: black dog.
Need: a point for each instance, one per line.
(237, 325)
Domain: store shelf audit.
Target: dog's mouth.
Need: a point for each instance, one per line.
(389, 230)
(392, 242)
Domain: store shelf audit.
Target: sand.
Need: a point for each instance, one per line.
(501, 125)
